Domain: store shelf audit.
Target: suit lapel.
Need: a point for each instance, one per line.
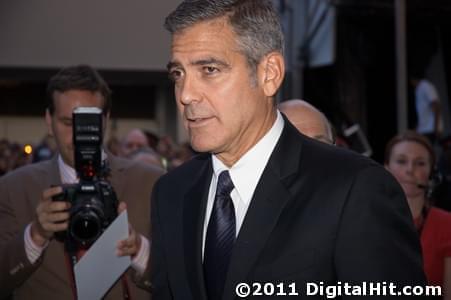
(116, 176)
(269, 199)
(53, 177)
(195, 203)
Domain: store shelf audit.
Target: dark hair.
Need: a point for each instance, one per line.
(81, 77)
(410, 136)
(255, 22)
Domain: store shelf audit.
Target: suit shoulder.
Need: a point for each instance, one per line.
(138, 167)
(31, 170)
(336, 158)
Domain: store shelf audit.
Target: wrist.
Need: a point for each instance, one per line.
(38, 239)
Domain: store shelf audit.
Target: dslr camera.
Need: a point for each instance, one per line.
(93, 200)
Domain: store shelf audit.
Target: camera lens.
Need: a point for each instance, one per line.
(85, 226)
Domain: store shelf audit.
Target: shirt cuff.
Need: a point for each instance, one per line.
(32, 250)
(139, 263)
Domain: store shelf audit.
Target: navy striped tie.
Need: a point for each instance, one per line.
(221, 232)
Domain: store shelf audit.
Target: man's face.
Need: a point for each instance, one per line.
(60, 123)
(223, 109)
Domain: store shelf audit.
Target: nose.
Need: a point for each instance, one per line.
(188, 91)
(410, 168)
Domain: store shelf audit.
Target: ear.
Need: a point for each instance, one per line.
(106, 119)
(48, 121)
(271, 73)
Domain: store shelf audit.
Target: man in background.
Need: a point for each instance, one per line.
(308, 120)
(134, 139)
(427, 106)
(33, 264)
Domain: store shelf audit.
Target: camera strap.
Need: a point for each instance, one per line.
(73, 256)
(71, 260)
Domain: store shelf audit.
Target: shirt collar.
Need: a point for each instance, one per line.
(246, 172)
(67, 173)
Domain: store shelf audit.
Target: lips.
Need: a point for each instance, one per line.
(198, 121)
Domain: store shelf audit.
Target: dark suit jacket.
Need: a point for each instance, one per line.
(48, 278)
(318, 213)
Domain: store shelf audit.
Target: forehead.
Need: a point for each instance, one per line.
(410, 148)
(136, 136)
(66, 102)
(209, 37)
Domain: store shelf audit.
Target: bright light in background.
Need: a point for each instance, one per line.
(28, 149)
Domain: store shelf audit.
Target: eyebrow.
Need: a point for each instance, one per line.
(172, 64)
(65, 119)
(200, 62)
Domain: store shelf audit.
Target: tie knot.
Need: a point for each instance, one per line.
(225, 184)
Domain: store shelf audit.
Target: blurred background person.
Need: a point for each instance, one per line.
(147, 155)
(135, 139)
(152, 138)
(12, 156)
(308, 120)
(411, 159)
(427, 106)
(32, 262)
(182, 154)
(44, 150)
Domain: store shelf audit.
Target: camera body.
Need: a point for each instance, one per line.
(93, 200)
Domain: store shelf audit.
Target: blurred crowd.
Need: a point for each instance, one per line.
(137, 144)
(12, 156)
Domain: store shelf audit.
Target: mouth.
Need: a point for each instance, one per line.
(198, 121)
(410, 183)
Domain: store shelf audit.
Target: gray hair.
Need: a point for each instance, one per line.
(255, 22)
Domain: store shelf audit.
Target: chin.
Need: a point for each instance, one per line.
(200, 148)
(203, 146)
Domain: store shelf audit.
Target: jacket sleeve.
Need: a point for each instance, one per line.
(15, 267)
(159, 271)
(377, 241)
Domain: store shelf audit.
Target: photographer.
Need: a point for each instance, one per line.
(35, 265)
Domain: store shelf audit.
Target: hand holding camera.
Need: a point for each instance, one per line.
(50, 217)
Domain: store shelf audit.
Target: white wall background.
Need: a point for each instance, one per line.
(108, 34)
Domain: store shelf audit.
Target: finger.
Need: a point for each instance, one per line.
(58, 206)
(55, 227)
(123, 251)
(121, 207)
(50, 192)
(58, 217)
(126, 243)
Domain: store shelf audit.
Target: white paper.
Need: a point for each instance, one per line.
(100, 267)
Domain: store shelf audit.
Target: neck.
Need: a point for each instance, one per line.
(230, 157)
(416, 205)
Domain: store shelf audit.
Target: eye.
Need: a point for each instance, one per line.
(209, 70)
(421, 163)
(401, 161)
(67, 123)
(175, 74)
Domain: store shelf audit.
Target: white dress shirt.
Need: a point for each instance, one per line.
(69, 176)
(245, 174)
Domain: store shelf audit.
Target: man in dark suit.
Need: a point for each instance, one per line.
(264, 205)
(35, 265)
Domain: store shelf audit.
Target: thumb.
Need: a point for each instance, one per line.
(122, 207)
